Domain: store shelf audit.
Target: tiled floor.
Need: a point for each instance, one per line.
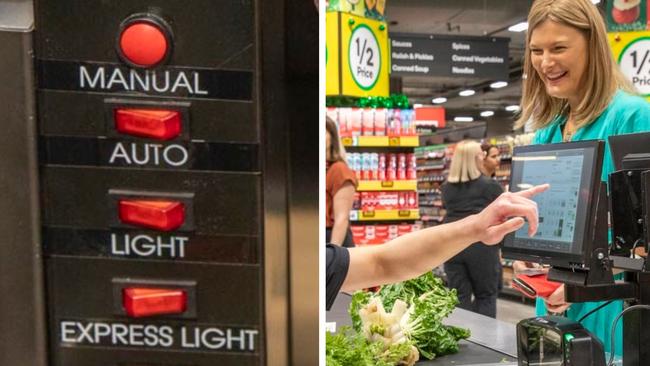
(512, 310)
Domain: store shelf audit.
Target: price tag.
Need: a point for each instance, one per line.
(387, 183)
(635, 64)
(404, 213)
(354, 215)
(368, 213)
(393, 141)
(346, 141)
(364, 57)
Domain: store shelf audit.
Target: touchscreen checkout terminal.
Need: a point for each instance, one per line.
(564, 239)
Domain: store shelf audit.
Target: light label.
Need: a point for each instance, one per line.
(148, 154)
(204, 338)
(147, 81)
(148, 246)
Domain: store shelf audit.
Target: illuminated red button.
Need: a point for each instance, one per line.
(159, 215)
(143, 43)
(141, 302)
(153, 123)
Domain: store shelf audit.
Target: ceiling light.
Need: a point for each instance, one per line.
(463, 119)
(512, 108)
(439, 100)
(519, 27)
(487, 114)
(467, 93)
(498, 84)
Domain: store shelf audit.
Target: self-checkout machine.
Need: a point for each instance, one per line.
(158, 183)
(573, 239)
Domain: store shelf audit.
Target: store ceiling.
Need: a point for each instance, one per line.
(463, 17)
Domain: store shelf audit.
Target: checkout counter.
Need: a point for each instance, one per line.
(492, 342)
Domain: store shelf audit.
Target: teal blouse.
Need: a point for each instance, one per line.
(625, 114)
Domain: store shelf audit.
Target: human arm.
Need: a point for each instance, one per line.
(342, 204)
(413, 254)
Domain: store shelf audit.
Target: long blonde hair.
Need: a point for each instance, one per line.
(602, 76)
(464, 164)
(337, 151)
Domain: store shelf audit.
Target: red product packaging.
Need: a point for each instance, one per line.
(355, 115)
(402, 200)
(380, 122)
(381, 237)
(381, 229)
(391, 169)
(411, 174)
(403, 229)
(401, 166)
(411, 161)
(382, 167)
(396, 123)
(412, 200)
(343, 122)
(368, 122)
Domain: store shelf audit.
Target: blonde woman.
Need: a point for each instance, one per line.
(340, 186)
(575, 91)
(476, 270)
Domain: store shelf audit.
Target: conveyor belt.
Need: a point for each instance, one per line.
(492, 342)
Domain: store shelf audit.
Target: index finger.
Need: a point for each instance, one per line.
(530, 192)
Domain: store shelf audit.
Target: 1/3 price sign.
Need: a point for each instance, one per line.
(362, 53)
(632, 51)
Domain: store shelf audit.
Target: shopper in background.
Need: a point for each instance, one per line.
(415, 253)
(575, 91)
(340, 185)
(491, 160)
(475, 270)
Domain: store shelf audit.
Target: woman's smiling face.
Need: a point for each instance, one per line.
(559, 55)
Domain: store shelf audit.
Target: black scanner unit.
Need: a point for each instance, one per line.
(554, 340)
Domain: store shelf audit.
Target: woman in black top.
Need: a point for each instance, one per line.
(475, 270)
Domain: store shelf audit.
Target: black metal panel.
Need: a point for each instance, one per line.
(78, 197)
(83, 356)
(22, 328)
(226, 294)
(150, 245)
(69, 113)
(144, 153)
(205, 33)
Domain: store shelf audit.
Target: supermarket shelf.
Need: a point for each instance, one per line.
(431, 167)
(357, 215)
(432, 218)
(381, 141)
(387, 185)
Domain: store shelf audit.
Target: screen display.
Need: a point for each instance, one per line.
(563, 208)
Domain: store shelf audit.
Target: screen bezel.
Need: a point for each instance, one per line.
(630, 143)
(557, 258)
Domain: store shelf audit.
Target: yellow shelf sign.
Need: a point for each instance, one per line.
(378, 215)
(359, 66)
(332, 58)
(381, 141)
(632, 51)
(387, 185)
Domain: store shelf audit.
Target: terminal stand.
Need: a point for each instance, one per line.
(596, 283)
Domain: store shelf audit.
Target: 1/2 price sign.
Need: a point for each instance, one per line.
(363, 56)
(632, 51)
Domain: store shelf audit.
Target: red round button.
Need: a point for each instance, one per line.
(143, 44)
